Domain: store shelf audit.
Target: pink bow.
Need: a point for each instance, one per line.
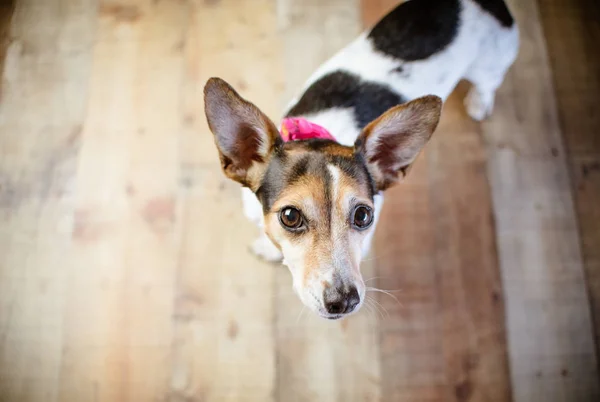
(297, 129)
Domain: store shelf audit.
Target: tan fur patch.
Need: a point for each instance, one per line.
(338, 150)
(308, 191)
(330, 148)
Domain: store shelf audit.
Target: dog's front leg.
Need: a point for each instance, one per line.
(262, 247)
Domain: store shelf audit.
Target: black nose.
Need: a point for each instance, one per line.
(341, 302)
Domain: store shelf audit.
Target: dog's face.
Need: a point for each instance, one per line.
(317, 199)
(317, 195)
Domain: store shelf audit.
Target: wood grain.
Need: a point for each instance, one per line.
(118, 330)
(572, 33)
(224, 346)
(549, 328)
(44, 93)
(124, 269)
(468, 277)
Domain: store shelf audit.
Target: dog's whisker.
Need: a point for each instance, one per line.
(387, 292)
(376, 312)
(377, 307)
(368, 306)
(381, 306)
(368, 309)
(378, 256)
(300, 314)
(373, 278)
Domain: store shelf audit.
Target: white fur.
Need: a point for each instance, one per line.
(265, 249)
(481, 52)
(334, 171)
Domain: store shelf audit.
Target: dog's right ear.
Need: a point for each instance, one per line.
(391, 142)
(244, 136)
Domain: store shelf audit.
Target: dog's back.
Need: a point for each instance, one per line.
(421, 47)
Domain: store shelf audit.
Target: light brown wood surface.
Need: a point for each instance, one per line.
(572, 31)
(44, 102)
(124, 268)
(549, 329)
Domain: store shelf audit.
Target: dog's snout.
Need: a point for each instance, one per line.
(341, 302)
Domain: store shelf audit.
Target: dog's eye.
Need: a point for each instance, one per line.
(290, 218)
(363, 217)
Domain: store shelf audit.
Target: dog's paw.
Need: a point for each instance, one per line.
(479, 106)
(265, 249)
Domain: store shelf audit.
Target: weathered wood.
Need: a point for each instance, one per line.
(468, 277)
(548, 319)
(124, 273)
(224, 338)
(118, 331)
(43, 95)
(448, 341)
(572, 34)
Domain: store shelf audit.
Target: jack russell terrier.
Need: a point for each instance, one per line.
(315, 188)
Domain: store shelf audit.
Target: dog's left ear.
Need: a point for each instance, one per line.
(245, 136)
(391, 143)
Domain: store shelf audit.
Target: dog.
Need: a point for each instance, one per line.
(352, 132)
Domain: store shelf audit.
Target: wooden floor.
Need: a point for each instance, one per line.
(124, 270)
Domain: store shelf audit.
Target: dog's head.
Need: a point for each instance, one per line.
(317, 195)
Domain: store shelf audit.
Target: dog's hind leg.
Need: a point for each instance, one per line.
(497, 53)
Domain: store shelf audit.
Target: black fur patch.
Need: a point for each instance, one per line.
(498, 9)
(299, 170)
(399, 69)
(341, 89)
(281, 173)
(417, 29)
(357, 169)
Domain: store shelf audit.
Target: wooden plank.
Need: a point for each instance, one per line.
(572, 35)
(318, 359)
(118, 331)
(468, 274)
(549, 328)
(224, 346)
(44, 91)
(436, 243)
(122, 275)
(411, 337)
(448, 339)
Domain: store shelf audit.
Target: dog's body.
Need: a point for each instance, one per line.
(460, 39)
(423, 47)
